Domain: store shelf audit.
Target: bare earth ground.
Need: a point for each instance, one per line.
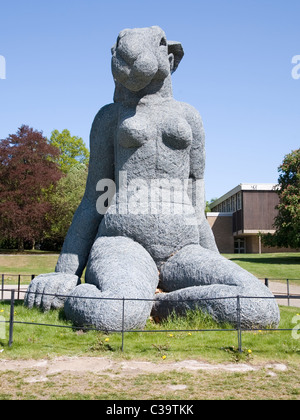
(105, 365)
(105, 379)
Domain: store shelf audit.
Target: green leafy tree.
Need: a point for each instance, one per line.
(209, 204)
(72, 149)
(64, 200)
(287, 222)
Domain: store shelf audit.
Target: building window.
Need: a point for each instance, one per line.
(233, 203)
(240, 246)
(239, 201)
(228, 205)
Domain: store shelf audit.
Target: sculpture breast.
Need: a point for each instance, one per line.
(177, 133)
(135, 131)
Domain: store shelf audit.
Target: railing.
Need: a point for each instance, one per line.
(288, 295)
(238, 327)
(267, 281)
(18, 282)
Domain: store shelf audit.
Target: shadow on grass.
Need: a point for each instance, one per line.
(27, 252)
(288, 260)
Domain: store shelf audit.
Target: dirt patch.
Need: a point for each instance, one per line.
(102, 365)
(94, 378)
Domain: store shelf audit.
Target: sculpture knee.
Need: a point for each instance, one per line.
(194, 265)
(89, 307)
(121, 265)
(117, 268)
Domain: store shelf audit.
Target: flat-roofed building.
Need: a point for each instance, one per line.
(239, 216)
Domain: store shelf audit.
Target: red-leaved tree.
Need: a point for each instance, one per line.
(27, 172)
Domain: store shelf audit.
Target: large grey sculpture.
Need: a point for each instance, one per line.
(154, 229)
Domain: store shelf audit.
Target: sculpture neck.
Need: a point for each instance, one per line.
(156, 90)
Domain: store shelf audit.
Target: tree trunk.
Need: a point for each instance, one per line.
(20, 245)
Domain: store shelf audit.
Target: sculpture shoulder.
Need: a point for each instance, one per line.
(104, 122)
(192, 115)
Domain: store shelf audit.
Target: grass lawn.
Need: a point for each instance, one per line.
(272, 266)
(47, 343)
(159, 348)
(38, 341)
(26, 264)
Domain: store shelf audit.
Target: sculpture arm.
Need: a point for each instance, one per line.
(197, 168)
(85, 224)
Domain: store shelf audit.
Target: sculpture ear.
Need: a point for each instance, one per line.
(176, 49)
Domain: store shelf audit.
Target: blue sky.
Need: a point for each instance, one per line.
(236, 72)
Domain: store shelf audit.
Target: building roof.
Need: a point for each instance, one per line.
(244, 187)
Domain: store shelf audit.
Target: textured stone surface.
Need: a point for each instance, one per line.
(215, 299)
(153, 148)
(196, 266)
(206, 278)
(82, 233)
(117, 268)
(42, 289)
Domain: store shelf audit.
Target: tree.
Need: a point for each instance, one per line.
(287, 222)
(64, 201)
(72, 149)
(27, 170)
(209, 204)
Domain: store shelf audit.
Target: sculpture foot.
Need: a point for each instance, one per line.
(50, 291)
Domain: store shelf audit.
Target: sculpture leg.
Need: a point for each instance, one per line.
(206, 278)
(117, 268)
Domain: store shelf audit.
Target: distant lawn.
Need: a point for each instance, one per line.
(26, 264)
(272, 266)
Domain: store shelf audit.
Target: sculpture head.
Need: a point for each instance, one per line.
(141, 56)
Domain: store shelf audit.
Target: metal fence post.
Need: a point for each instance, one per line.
(123, 323)
(11, 317)
(239, 329)
(19, 285)
(288, 290)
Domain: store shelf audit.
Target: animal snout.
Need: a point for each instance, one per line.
(146, 64)
(134, 71)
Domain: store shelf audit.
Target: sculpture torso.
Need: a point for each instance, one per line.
(151, 139)
(152, 148)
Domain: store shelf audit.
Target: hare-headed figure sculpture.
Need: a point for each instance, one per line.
(150, 150)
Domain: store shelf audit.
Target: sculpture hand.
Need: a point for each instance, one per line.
(50, 291)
